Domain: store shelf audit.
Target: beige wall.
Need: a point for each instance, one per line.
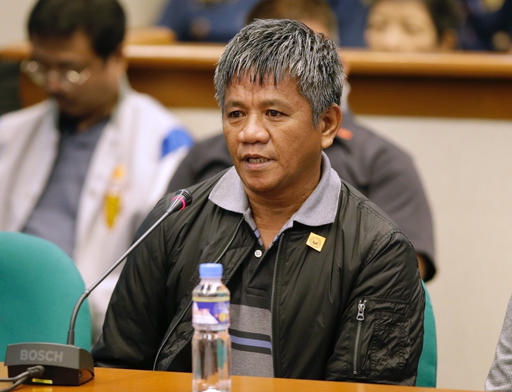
(466, 167)
(13, 16)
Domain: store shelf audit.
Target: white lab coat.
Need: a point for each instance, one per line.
(132, 138)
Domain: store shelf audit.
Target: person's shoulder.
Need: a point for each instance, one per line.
(22, 120)
(211, 149)
(363, 140)
(204, 159)
(25, 115)
(148, 108)
(215, 140)
(366, 223)
(143, 101)
(357, 207)
(201, 190)
(363, 157)
(152, 115)
(200, 193)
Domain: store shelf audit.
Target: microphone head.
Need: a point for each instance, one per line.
(180, 200)
(185, 196)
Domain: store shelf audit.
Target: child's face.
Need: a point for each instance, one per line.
(401, 26)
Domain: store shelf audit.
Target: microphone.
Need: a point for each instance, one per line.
(67, 364)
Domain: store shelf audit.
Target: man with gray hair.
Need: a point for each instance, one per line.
(323, 285)
(378, 168)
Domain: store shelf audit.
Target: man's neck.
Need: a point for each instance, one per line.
(86, 123)
(271, 213)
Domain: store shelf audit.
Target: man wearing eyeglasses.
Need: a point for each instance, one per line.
(83, 168)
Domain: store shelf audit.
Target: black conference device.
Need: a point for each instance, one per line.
(67, 364)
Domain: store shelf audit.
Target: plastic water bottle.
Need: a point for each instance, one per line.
(211, 344)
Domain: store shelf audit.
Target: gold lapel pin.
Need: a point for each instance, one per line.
(315, 241)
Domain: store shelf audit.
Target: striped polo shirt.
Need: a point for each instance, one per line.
(251, 286)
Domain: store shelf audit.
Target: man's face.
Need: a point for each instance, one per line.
(271, 137)
(402, 26)
(97, 88)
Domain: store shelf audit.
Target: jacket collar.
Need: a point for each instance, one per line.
(318, 209)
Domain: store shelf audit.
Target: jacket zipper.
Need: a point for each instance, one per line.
(360, 318)
(272, 300)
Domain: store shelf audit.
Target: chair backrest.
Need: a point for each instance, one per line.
(427, 366)
(39, 285)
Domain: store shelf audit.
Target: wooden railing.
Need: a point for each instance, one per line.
(452, 84)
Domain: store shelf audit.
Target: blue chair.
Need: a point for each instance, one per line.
(39, 285)
(427, 366)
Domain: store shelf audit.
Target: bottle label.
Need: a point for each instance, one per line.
(210, 311)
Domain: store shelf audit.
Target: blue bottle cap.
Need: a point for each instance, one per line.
(210, 270)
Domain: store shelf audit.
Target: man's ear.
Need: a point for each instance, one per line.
(118, 57)
(330, 123)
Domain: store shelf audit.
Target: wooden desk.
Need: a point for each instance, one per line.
(138, 381)
(423, 84)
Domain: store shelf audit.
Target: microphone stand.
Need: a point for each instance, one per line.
(67, 364)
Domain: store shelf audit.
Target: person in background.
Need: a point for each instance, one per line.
(84, 167)
(351, 16)
(220, 20)
(205, 20)
(482, 24)
(412, 25)
(379, 169)
(307, 258)
(500, 374)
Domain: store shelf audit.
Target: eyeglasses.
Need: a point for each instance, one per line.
(40, 74)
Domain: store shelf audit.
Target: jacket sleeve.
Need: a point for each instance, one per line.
(380, 334)
(396, 187)
(134, 320)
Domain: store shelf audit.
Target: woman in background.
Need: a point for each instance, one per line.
(412, 25)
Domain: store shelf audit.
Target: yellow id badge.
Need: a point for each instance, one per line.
(112, 203)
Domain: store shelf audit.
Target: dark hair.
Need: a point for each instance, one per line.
(445, 15)
(318, 10)
(103, 21)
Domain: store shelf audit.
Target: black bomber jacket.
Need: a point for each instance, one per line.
(353, 311)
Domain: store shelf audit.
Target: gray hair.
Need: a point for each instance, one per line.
(282, 48)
